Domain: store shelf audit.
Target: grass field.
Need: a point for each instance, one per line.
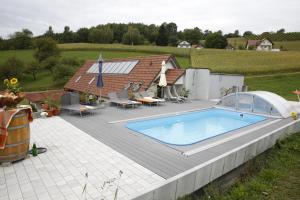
(274, 175)
(246, 62)
(127, 48)
(243, 62)
(27, 55)
(288, 45)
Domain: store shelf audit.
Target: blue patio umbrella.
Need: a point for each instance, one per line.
(100, 79)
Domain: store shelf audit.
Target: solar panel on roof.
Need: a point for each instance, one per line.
(114, 67)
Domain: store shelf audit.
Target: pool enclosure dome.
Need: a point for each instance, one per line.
(260, 102)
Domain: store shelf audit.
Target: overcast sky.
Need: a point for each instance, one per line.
(226, 15)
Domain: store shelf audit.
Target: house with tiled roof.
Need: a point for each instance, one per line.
(117, 73)
(260, 45)
(145, 70)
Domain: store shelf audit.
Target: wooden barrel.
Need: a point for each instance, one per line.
(18, 139)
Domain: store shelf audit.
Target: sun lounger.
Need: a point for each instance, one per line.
(174, 92)
(125, 103)
(70, 102)
(138, 97)
(170, 97)
(145, 95)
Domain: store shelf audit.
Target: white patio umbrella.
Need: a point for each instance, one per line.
(162, 80)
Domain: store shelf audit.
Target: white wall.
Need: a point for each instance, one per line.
(204, 86)
(219, 81)
(197, 82)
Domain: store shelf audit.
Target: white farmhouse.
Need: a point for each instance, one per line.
(184, 44)
(260, 45)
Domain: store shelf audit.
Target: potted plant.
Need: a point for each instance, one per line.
(55, 110)
(51, 106)
(12, 96)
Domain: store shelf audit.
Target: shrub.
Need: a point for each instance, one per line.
(12, 67)
(62, 73)
(70, 61)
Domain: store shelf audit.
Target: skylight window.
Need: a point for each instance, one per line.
(79, 77)
(91, 80)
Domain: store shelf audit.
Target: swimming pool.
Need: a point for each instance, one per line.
(193, 127)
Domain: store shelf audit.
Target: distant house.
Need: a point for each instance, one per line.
(198, 46)
(184, 44)
(260, 45)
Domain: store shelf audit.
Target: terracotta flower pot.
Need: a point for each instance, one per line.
(50, 113)
(11, 100)
(56, 111)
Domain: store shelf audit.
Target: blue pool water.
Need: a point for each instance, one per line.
(193, 127)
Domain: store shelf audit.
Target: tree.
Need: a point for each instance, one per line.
(171, 29)
(118, 31)
(67, 35)
(173, 40)
(45, 48)
(193, 36)
(1, 44)
(32, 68)
(49, 63)
(83, 34)
(282, 30)
(49, 32)
(101, 35)
(151, 33)
(236, 33)
(247, 33)
(216, 40)
(22, 40)
(132, 37)
(162, 39)
(12, 67)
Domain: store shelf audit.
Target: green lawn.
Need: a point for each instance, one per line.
(274, 175)
(279, 84)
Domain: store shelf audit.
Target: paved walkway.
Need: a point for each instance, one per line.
(60, 173)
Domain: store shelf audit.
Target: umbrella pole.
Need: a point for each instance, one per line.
(100, 94)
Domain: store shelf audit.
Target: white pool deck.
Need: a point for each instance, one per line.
(60, 172)
(101, 146)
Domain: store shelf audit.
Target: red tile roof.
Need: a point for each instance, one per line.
(173, 75)
(253, 42)
(42, 95)
(146, 70)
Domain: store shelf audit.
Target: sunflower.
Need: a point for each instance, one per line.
(13, 81)
(6, 81)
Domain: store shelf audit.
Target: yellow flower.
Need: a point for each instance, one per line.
(6, 81)
(13, 81)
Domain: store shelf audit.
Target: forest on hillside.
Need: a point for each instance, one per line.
(166, 34)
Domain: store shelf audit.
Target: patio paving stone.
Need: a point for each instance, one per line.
(60, 172)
